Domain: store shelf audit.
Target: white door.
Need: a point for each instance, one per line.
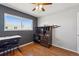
(78, 32)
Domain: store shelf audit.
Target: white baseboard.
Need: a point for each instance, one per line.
(64, 48)
(25, 44)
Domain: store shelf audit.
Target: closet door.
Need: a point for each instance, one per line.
(78, 32)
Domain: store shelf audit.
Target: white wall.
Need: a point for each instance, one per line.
(65, 36)
(78, 32)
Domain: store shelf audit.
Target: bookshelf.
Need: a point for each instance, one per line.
(43, 35)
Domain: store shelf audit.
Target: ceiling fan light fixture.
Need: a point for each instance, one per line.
(40, 6)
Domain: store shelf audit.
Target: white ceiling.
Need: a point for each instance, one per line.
(27, 8)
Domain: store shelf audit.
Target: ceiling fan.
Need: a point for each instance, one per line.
(40, 6)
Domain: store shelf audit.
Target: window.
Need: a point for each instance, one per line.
(17, 23)
(26, 24)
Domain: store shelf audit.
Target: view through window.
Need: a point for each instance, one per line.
(12, 22)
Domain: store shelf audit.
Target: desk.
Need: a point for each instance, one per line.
(9, 43)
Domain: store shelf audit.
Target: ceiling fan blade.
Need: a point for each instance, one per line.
(42, 3)
(47, 3)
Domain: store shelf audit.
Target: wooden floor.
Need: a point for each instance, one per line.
(35, 49)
